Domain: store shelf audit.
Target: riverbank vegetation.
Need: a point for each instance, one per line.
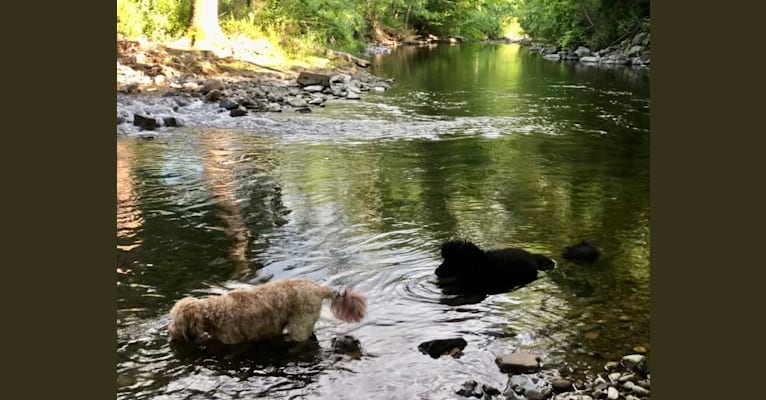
(308, 27)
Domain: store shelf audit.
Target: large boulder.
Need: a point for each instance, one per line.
(311, 78)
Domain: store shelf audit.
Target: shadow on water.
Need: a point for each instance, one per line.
(486, 143)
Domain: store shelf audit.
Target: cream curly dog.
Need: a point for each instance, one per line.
(261, 312)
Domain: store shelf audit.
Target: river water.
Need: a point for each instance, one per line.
(480, 141)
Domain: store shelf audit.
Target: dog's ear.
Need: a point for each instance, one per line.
(187, 320)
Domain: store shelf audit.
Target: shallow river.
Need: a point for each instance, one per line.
(484, 141)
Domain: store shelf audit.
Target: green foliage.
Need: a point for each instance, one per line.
(596, 23)
(155, 19)
(308, 26)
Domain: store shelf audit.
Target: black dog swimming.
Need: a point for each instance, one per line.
(473, 270)
(583, 251)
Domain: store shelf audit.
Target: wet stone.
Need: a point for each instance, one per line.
(214, 95)
(469, 390)
(228, 104)
(143, 122)
(534, 395)
(520, 362)
(238, 112)
(171, 122)
(640, 391)
(561, 385)
(611, 366)
(211, 85)
(437, 348)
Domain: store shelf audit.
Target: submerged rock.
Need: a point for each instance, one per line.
(147, 123)
(521, 362)
(439, 347)
(347, 345)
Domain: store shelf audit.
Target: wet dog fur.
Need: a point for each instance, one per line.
(286, 308)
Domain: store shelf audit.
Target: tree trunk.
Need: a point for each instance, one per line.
(203, 24)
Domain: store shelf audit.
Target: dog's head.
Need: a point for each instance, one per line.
(187, 320)
(457, 254)
(544, 263)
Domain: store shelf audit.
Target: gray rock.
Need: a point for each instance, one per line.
(273, 107)
(182, 102)
(469, 390)
(571, 396)
(228, 104)
(132, 88)
(171, 122)
(640, 391)
(561, 385)
(314, 88)
(632, 360)
(534, 395)
(238, 112)
(439, 347)
(211, 85)
(317, 100)
(214, 95)
(520, 362)
(310, 78)
(628, 385)
(296, 102)
(353, 95)
(276, 96)
(552, 57)
(640, 38)
(614, 376)
(611, 366)
(582, 51)
(634, 50)
(143, 122)
(590, 59)
(347, 344)
(189, 86)
(340, 78)
(628, 377)
(615, 58)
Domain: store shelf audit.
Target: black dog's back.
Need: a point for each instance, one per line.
(493, 271)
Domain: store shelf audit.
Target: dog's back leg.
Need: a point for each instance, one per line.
(300, 326)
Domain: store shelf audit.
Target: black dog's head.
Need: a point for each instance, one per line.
(544, 263)
(583, 251)
(456, 254)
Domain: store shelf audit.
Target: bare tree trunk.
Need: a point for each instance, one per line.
(203, 25)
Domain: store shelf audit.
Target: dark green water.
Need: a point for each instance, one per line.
(485, 142)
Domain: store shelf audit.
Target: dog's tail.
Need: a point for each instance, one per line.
(348, 306)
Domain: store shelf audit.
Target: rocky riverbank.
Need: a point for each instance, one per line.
(627, 379)
(238, 86)
(634, 50)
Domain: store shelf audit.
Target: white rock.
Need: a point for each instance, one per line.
(612, 393)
